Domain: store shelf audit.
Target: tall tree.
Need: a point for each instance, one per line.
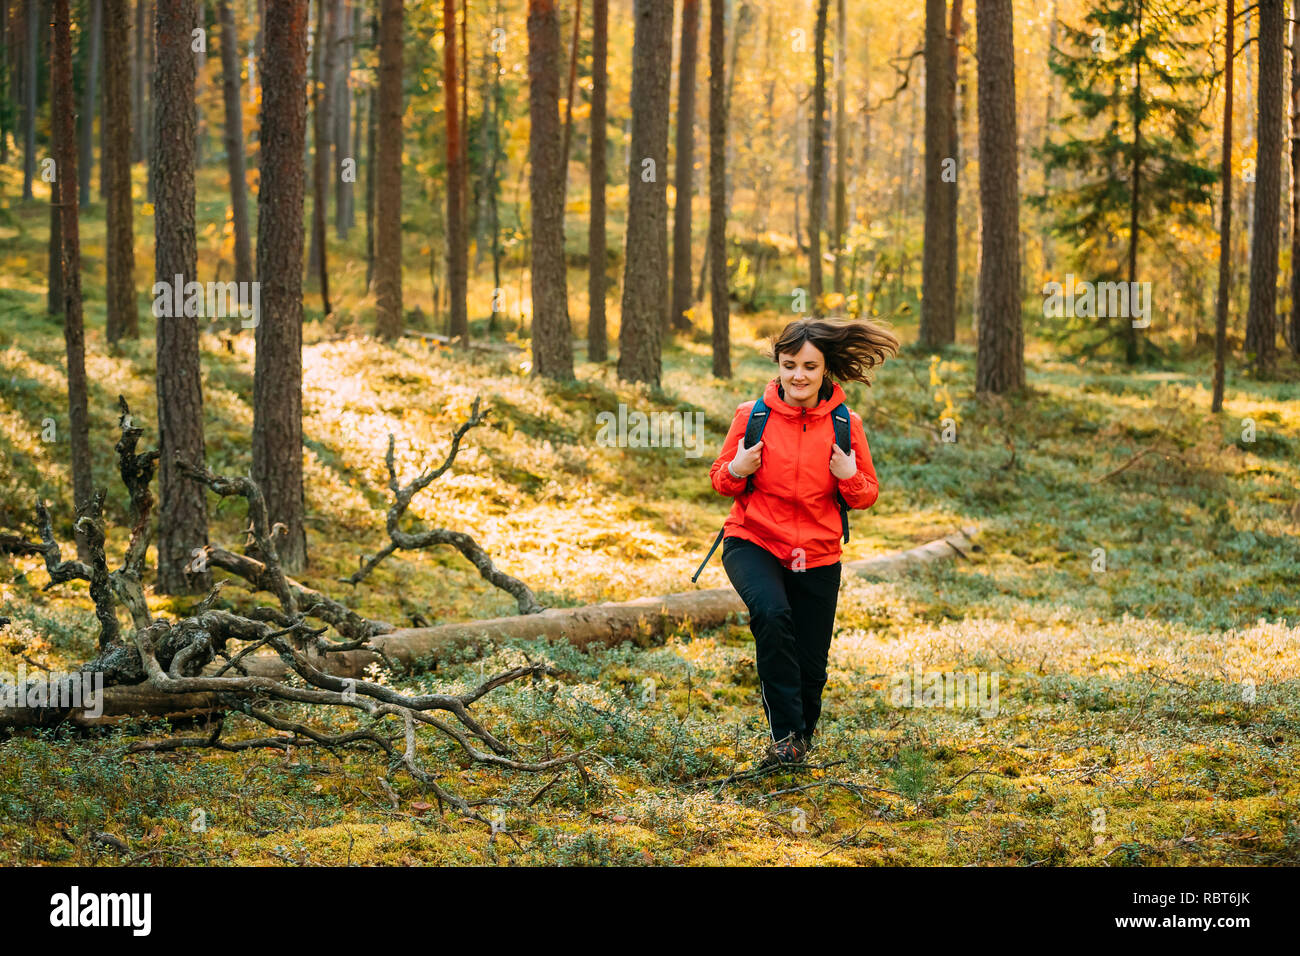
(139, 79)
(720, 304)
(1000, 360)
(457, 239)
(322, 62)
(683, 181)
(388, 175)
(235, 141)
(840, 225)
(343, 109)
(182, 508)
(597, 335)
(552, 343)
(1260, 324)
(32, 21)
(817, 141)
(122, 316)
(645, 276)
(65, 182)
(938, 281)
(573, 80)
(93, 39)
(1295, 179)
(1225, 217)
(277, 375)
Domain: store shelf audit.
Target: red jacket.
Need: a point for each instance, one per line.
(793, 502)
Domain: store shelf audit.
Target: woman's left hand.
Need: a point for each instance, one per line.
(843, 466)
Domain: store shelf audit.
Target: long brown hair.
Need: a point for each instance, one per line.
(851, 348)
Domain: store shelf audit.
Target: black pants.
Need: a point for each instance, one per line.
(792, 618)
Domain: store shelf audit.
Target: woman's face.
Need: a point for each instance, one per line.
(801, 375)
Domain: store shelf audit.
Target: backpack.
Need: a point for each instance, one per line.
(758, 416)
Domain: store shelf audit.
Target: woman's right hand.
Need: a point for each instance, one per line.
(747, 460)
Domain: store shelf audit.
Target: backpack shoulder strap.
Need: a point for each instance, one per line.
(758, 416)
(840, 419)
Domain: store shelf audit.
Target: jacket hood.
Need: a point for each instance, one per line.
(779, 405)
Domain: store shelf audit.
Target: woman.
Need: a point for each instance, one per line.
(781, 545)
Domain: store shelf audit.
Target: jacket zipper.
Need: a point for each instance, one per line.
(803, 418)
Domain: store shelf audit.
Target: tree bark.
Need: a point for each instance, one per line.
(645, 277)
(1000, 361)
(1295, 180)
(938, 284)
(388, 172)
(93, 37)
(457, 244)
(32, 20)
(323, 63)
(182, 511)
(817, 159)
(64, 113)
(343, 110)
(1260, 324)
(840, 225)
(277, 377)
(597, 334)
(552, 343)
(1225, 218)
(235, 141)
(719, 298)
(684, 180)
(139, 76)
(54, 292)
(120, 298)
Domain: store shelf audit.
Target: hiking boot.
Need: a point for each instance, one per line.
(789, 750)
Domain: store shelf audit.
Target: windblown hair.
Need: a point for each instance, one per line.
(851, 347)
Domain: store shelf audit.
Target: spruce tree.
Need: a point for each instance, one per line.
(1127, 160)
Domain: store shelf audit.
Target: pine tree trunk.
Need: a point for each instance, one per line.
(552, 345)
(32, 20)
(93, 38)
(1260, 325)
(54, 292)
(954, 151)
(343, 108)
(684, 180)
(235, 141)
(817, 140)
(1000, 363)
(64, 114)
(457, 246)
(597, 335)
(1225, 218)
(139, 77)
(938, 285)
(182, 509)
(120, 301)
(841, 146)
(1295, 180)
(372, 101)
(277, 376)
(323, 62)
(720, 299)
(388, 172)
(645, 277)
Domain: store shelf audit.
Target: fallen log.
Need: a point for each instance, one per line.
(643, 621)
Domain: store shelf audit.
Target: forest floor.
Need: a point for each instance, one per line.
(1147, 713)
